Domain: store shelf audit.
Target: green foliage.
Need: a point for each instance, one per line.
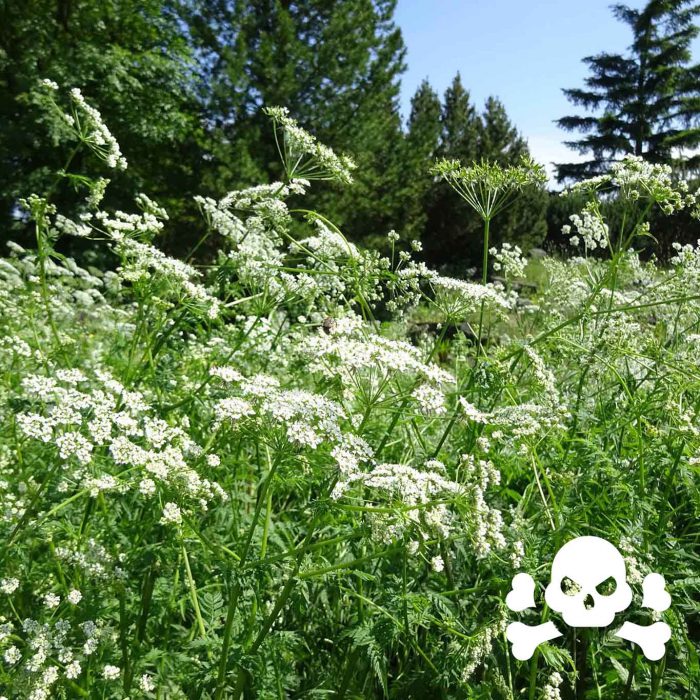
(422, 144)
(452, 234)
(646, 99)
(131, 59)
(231, 481)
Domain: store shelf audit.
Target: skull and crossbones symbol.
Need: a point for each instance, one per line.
(576, 591)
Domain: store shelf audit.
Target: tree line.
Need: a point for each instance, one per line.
(182, 84)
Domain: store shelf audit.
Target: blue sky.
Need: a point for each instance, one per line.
(521, 51)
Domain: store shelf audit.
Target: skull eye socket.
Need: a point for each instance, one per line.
(607, 587)
(569, 586)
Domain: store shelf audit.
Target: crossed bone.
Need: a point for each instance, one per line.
(526, 638)
(651, 638)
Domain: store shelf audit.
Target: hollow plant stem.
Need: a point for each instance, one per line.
(630, 673)
(236, 592)
(484, 281)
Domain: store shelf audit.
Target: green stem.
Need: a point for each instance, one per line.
(350, 671)
(42, 255)
(146, 597)
(630, 674)
(484, 281)
(124, 642)
(236, 592)
(266, 525)
(533, 675)
(193, 593)
(657, 678)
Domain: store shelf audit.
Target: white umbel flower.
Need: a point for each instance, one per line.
(111, 673)
(171, 514)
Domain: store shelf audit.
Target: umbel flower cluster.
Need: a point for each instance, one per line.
(86, 124)
(302, 154)
(300, 468)
(589, 227)
(488, 187)
(637, 179)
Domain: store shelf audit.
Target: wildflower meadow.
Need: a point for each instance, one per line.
(300, 468)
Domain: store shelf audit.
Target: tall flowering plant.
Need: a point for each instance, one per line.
(230, 479)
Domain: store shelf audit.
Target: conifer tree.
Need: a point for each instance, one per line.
(451, 229)
(460, 123)
(422, 144)
(499, 140)
(647, 100)
(335, 66)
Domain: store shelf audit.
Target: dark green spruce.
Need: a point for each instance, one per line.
(645, 101)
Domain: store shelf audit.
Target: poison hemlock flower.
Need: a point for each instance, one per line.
(111, 673)
(636, 179)
(301, 153)
(509, 260)
(171, 514)
(488, 187)
(146, 684)
(51, 600)
(73, 670)
(147, 487)
(9, 585)
(437, 564)
(430, 400)
(589, 227)
(151, 450)
(12, 655)
(552, 689)
(94, 132)
(481, 647)
(458, 298)
(86, 124)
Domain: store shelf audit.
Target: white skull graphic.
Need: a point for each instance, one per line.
(588, 562)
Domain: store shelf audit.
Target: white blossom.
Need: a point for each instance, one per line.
(51, 600)
(111, 673)
(171, 514)
(9, 585)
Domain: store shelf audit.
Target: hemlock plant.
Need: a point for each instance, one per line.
(234, 479)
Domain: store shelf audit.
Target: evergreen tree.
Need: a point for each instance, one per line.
(451, 228)
(131, 61)
(648, 99)
(340, 82)
(460, 124)
(499, 140)
(422, 144)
